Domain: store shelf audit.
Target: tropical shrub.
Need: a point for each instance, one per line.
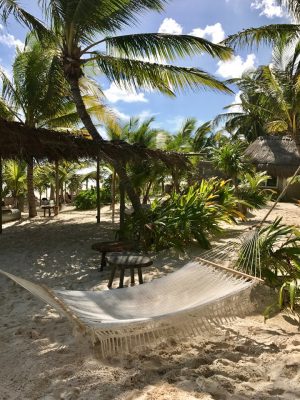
(184, 218)
(279, 252)
(86, 200)
(252, 191)
(230, 159)
(105, 192)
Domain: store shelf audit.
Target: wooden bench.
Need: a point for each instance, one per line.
(49, 208)
(109, 247)
(130, 261)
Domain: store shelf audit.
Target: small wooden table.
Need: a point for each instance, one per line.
(49, 208)
(124, 261)
(109, 247)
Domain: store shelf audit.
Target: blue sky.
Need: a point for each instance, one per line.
(212, 19)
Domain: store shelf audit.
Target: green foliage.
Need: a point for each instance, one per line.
(251, 190)
(105, 192)
(86, 200)
(186, 217)
(229, 158)
(279, 252)
(14, 177)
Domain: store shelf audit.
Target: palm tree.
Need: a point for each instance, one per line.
(14, 177)
(229, 159)
(45, 176)
(279, 35)
(144, 173)
(38, 97)
(85, 32)
(249, 119)
(270, 98)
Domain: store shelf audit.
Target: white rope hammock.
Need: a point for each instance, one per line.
(199, 296)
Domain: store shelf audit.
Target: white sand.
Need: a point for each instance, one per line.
(40, 359)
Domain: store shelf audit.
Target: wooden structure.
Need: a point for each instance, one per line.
(18, 141)
(108, 247)
(280, 158)
(127, 261)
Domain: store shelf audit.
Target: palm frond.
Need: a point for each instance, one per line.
(134, 74)
(276, 126)
(268, 34)
(11, 7)
(165, 47)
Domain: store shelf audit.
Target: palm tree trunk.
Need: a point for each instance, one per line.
(1, 194)
(127, 185)
(89, 125)
(30, 190)
(175, 178)
(98, 190)
(146, 196)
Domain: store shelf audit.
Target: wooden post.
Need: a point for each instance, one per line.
(113, 196)
(98, 190)
(1, 193)
(122, 209)
(56, 188)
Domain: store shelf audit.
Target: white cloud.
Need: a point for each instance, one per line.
(175, 123)
(114, 94)
(7, 71)
(169, 25)
(235, 67)
(214, 33)
(145, 114)
(9, 40)
(268, 8)
(123, 117)
(236, 104)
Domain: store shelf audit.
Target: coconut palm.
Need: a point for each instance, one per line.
(143, 174)
(248, 119)
(85, 32)
(270, 98)
(38, 96)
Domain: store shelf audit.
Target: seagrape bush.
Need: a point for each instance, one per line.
(184, 218)
(85, 200)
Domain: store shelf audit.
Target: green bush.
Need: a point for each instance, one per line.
(279, 255)
(105, 193)
(86, 200)
(187, 217)
(252, 191)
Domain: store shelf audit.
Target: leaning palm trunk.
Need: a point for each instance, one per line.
(30, 190)
(89, 125)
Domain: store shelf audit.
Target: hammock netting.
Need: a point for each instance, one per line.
(198, 297)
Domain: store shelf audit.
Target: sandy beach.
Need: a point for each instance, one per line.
(41, 359)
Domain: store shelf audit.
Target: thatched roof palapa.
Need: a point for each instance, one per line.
(18, 141)
(278, 155)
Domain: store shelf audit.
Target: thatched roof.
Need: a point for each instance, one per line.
(18, 141)
(278, 155)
